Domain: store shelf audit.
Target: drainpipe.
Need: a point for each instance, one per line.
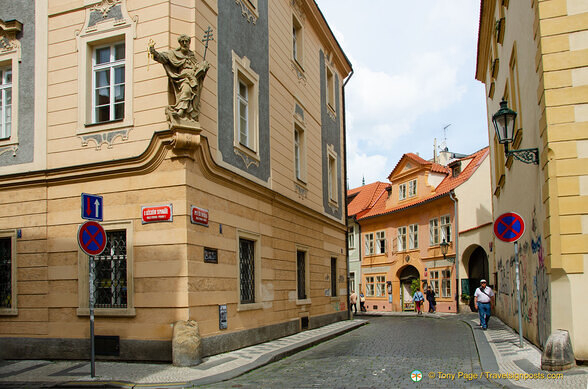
(345, 184)
(454, 199)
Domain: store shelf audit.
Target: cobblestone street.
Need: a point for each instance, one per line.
(380, 354)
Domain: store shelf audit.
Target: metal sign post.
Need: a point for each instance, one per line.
(91, 289)
(516, 247)
(510, 227)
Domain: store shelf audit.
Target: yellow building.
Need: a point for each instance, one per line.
(534, 54)
(237, 206)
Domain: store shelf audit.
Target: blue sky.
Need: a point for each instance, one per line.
(414, 73)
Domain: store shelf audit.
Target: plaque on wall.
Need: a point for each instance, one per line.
(210, 255)
(222, 317)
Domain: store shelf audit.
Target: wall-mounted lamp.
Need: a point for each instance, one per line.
(444, 248)
(504, 121)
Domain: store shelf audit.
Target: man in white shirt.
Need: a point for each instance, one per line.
(484, 301)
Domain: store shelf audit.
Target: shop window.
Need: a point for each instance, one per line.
(435, 281)
(381, 286)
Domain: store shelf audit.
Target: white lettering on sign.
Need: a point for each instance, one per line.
(162, 213)
(199, 216)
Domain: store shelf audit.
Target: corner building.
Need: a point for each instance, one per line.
(262, 171)
(534, 55)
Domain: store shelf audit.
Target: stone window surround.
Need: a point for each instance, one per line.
(11, 59)
(83, 276)
(306, 251)
(256, 238)
(104, 32)
(243, 72)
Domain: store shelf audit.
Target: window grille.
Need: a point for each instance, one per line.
(110, 272)
(333, 277)
(247, 270)
(5, 273)
(301, 281)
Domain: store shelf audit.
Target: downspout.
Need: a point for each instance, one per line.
(345, 185)
(454, 199)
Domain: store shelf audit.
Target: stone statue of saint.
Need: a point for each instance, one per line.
(186, 75)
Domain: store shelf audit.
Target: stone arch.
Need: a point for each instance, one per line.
(475, 261)
(405, 275)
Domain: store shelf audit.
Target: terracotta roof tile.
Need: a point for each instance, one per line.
(449, 183)
(363, 198)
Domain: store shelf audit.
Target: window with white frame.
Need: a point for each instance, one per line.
(8, 267)
(401, 238)
(413, 236)
(401, 191)
(330, 88)
(412, 188)
(108, 82)
(352, 282)
(105, 72)
(435, 281)
(369, 243)
(351, 237)
(297, 40)
(332, 174)
(5, 102)
(381, 242)
(380, 286)
(369, 286)
(434, 232)
(299, 153)
(246, 97)
(446, 283)
(446, 228)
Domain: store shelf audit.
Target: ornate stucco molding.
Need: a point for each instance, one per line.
(8, 41)
(297, 7)
(6, 149)
(246, 159)
(299, 73)
(248, 13)
(106, 137)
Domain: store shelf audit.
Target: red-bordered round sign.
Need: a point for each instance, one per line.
(92, 238)
(509, 227)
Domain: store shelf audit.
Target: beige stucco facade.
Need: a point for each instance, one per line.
(535, 55)
(252, 194)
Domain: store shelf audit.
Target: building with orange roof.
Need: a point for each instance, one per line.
(359, 201)
(405, 221)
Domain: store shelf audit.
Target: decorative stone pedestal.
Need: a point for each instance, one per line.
(186, 349)
(558, 354)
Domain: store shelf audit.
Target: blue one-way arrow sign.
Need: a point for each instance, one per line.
(92, 206)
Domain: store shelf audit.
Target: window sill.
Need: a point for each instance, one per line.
(250, 153)
(90, 128)
(117, 312)
(298, 65)
(9, 312)
(249, 307)
(303, 302)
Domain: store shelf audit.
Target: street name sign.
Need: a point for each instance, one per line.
(159, 213)
(199, 216)
(92, 207)
(509, 227)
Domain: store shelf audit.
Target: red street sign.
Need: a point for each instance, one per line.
(161, 213)
(92, 238)
(509, 227)
(199, 216)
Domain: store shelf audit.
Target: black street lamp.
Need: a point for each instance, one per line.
(444, 247)
(504, 122)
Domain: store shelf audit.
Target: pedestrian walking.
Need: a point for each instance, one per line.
(353, 301)
(362, 302)
(418, 299)
(431, 299)
(484, 301)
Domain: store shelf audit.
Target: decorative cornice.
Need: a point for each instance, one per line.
(297, 7)
(105, 6)
(8, 40)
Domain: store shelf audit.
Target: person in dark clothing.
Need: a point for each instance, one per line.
(431, 299)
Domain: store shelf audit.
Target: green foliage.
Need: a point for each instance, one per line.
(415, 285)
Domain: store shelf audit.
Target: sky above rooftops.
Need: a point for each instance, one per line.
(414, 64)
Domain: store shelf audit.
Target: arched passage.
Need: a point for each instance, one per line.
(477, 270)
(406, 275)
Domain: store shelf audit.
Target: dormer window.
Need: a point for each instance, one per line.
(401, 191)
(455, 169)
(412, 188)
